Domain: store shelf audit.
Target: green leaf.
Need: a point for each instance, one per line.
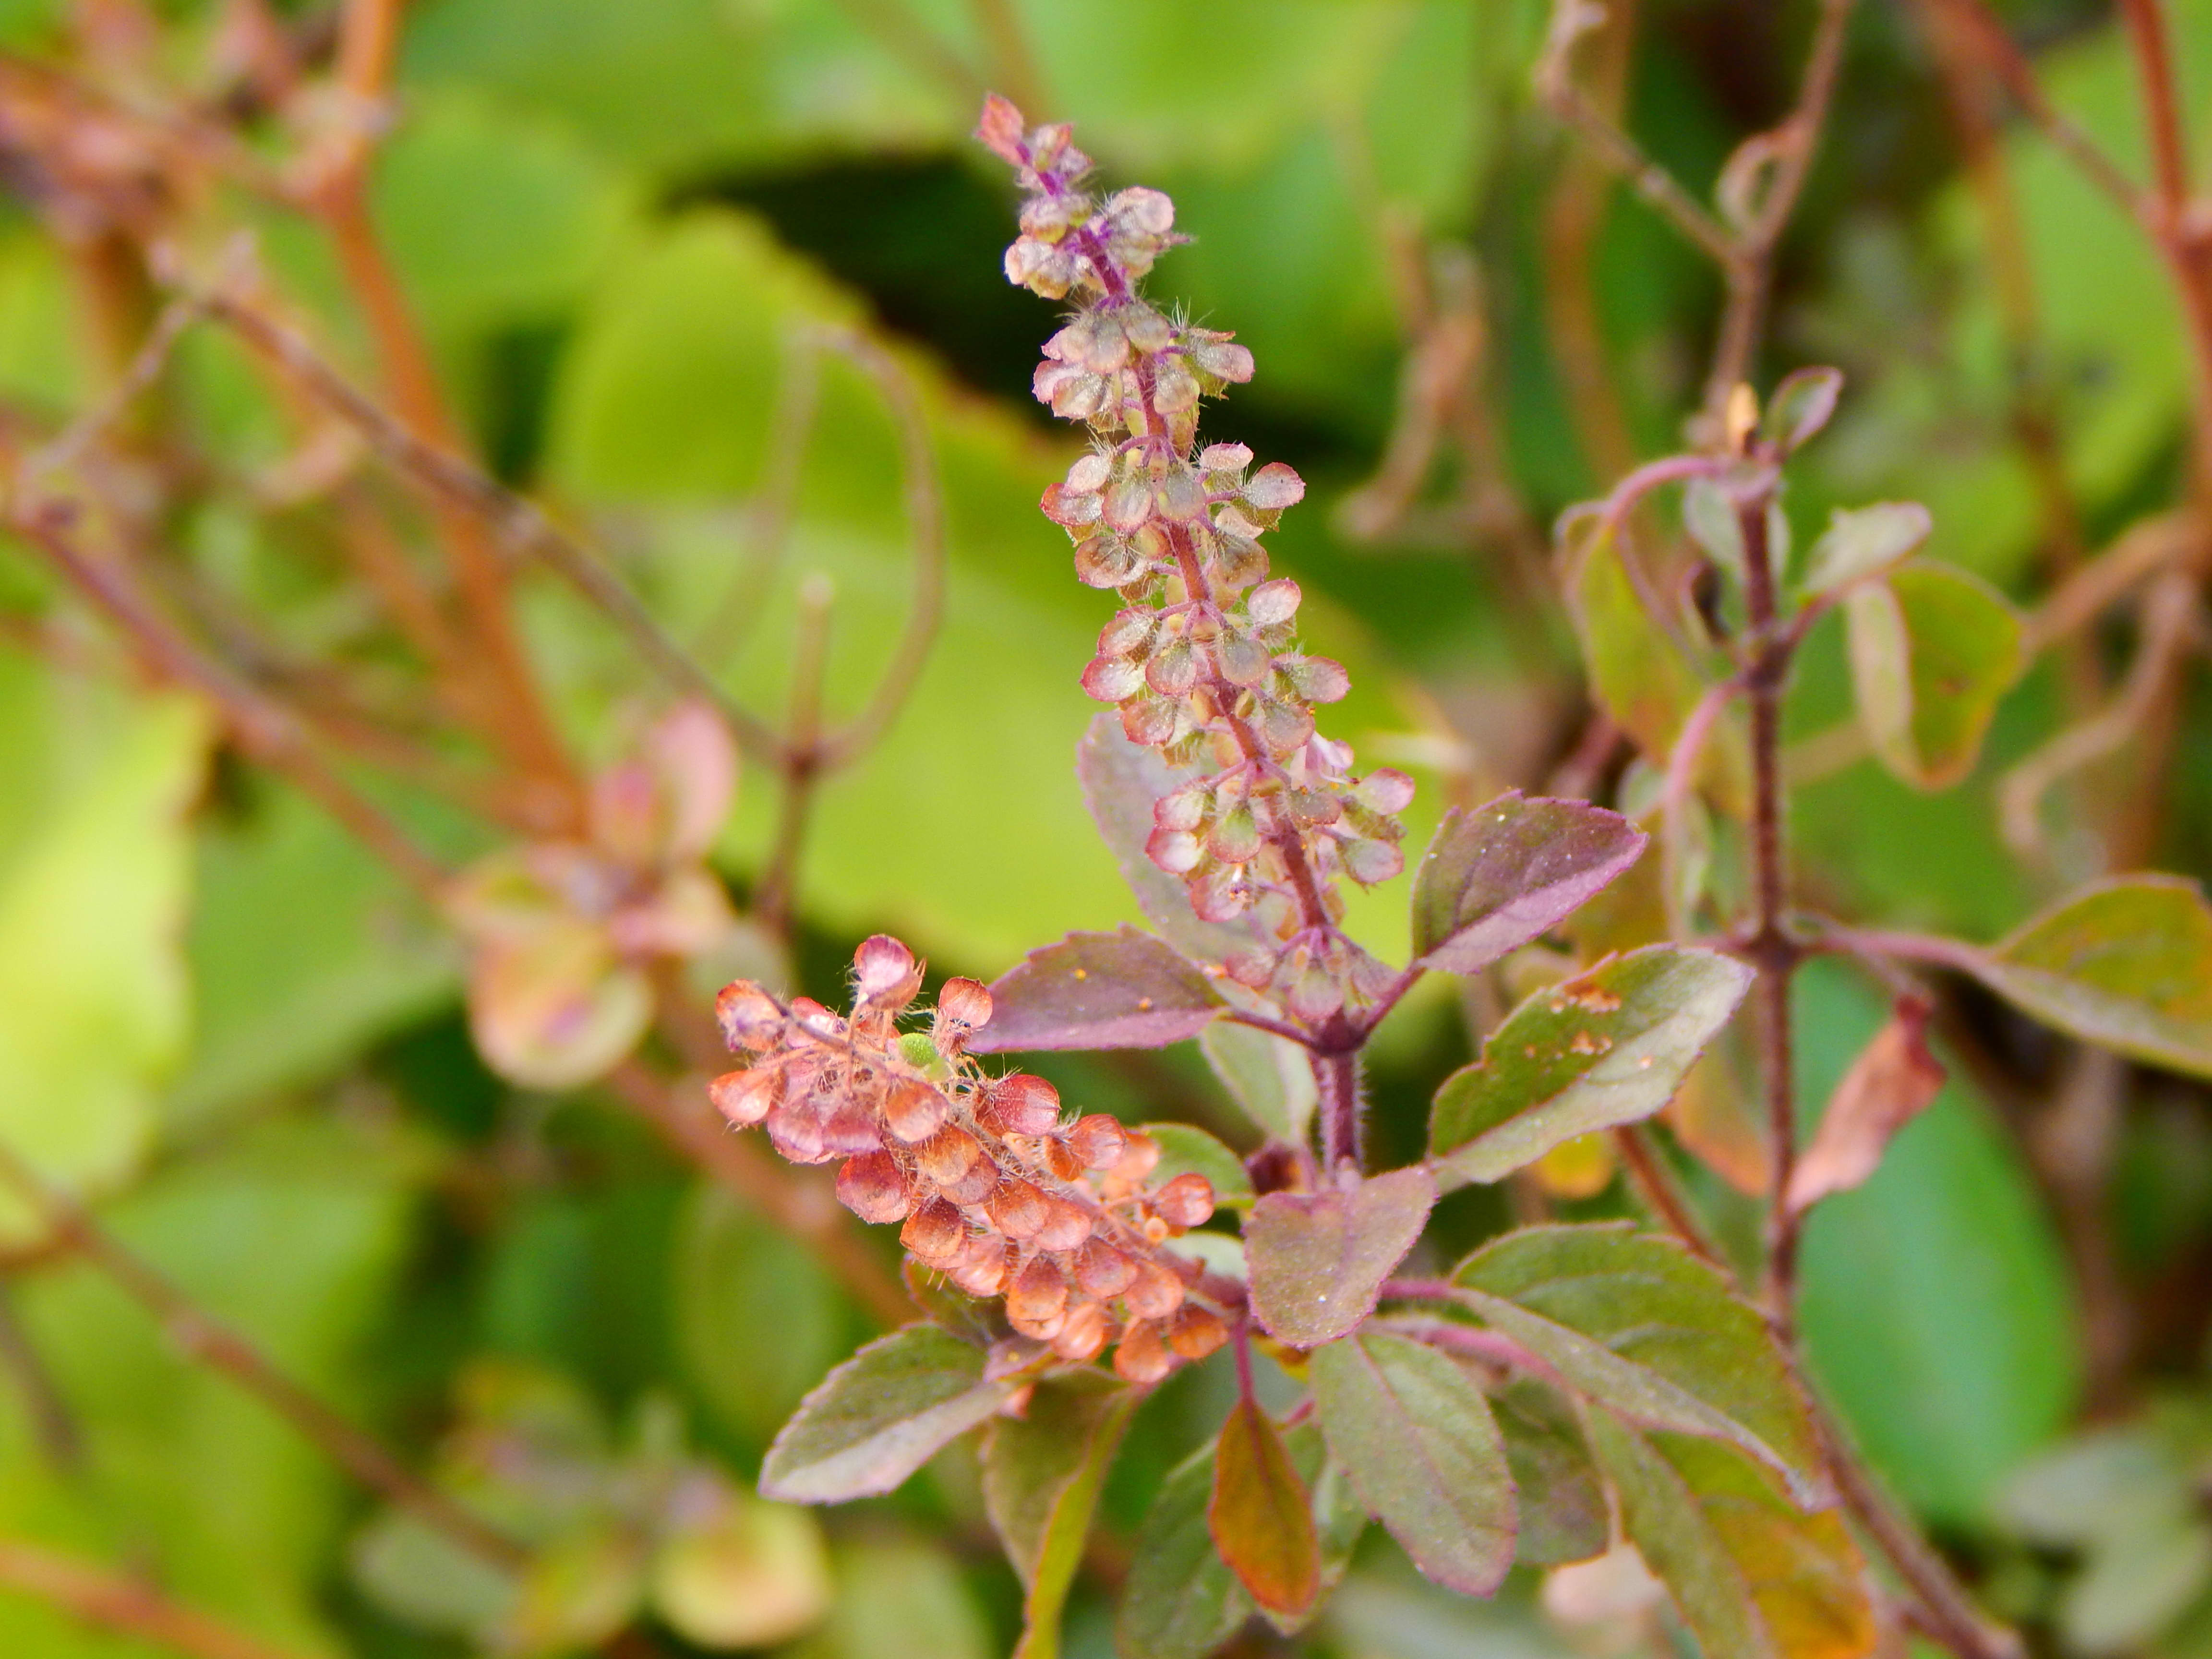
(1607, 1047)
(755, 1575)
(1935, 1302)
(1042, 1473)
(1499, 876)
(1933, 650)
(1180, 1601)
(575, 1593)
(880, 1417)
(1863, 542)
(1267, 1075)
(95, 870)
(1340, 1518)
(1318, 1260)
(1563, 1514)
(413, 1572)
(1118, 990)
(304, 949)
(1639, 1325)
(738, 1280)
(900, 1598)
(1751, 1573)
(1187, 1149)
(2126, 965)
(1416, 1437)
(1260, 1514)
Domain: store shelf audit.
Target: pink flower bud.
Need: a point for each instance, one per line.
(1104, 1270)
(1211, 353)
(1221, 895)
(1273, 603)
(748, 1016)
(1274, 487)
(914, 1110)
(1283, 728)
(1141, 212)
(1314, 993)
(1385, 790)
(873, 1187)
(1113, 679)
(1129, 632)
(744, 1097)
(1186, 1201)
(1147, 330)
(1173, 672)
(948, 1155)
(1225, 457)
(963, 1005)
(1180, 496)
(1130, 502)
(1235, 838)
(1318, 679)
(1089, 474)
(1067, 1225)
(1039, 1291)
(849, 1126)
(1178, 852)
(1066, 508)
(1368, 862)
(1243, 659)
(1174, 388)
(1101, 562)
(1021, 1104)
(984, 1267)
(1001, 129)
(884, 973)
(1139, 1152)
(794, 1129)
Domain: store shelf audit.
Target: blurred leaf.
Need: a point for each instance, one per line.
(758, 1320)
(1639, 1325)
(1937, 1307)
(1318, 1260)
(492, 220)
(574, 1593)
(1506, 873)
(1265, 1074)
(1043, 1473)
(1560, 1502)
(418, 1574)
(1863, 542)
(1187, 1149)
(2126, 965)
(1933, 650)
(553, 1007)
(898, 1599)
(304, 950)
(880, 1417)
(1180, 1601)
(1416, 1437)
(1799, 406)
(754, 1576)
(1750, 1574)
(1260, 1514)
(1607, 1047)
(94, 871)
(1120, 990)
(1892, 1082)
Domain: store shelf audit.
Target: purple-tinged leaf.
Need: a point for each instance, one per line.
(1800, 406)
(1259, 1515)
(1416, 1437)
(2126, 964)
(1318, 1260)
(1120, 780)
(1121, 990)
(1180, 1601)
(1499, 876)
(880, 1417)
(1637, 1324)
(1608, 1047)
(1558, 1495)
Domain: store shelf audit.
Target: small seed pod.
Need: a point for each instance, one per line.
(794, 1129)
(1082, 1333)
(984, 1267)
(1102, 1270)
(934, 1234)
(1196, 1332)
(975, 1186)
(962, 1007)
(749, 1017)
(1067, 1226)
(886, 974)
(1186, 1201)
(848, 1127)
(1017, 1209)
(1037, 1299)
(873, 1187)
(914, 1110)
(1154, 1293)
(1142, 1357)
(948, 1155)
(744, 1097)
(1020, 1105)
(1064, 1164)
(1096, 1141)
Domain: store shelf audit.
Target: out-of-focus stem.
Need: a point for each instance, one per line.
(106, 1599)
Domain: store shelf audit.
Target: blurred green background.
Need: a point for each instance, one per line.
(224, 1021)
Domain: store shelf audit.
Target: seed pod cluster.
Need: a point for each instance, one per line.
(990, 1186)
(1202, 662)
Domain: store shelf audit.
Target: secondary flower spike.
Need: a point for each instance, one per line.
(991, 1188)
(1202, 662)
